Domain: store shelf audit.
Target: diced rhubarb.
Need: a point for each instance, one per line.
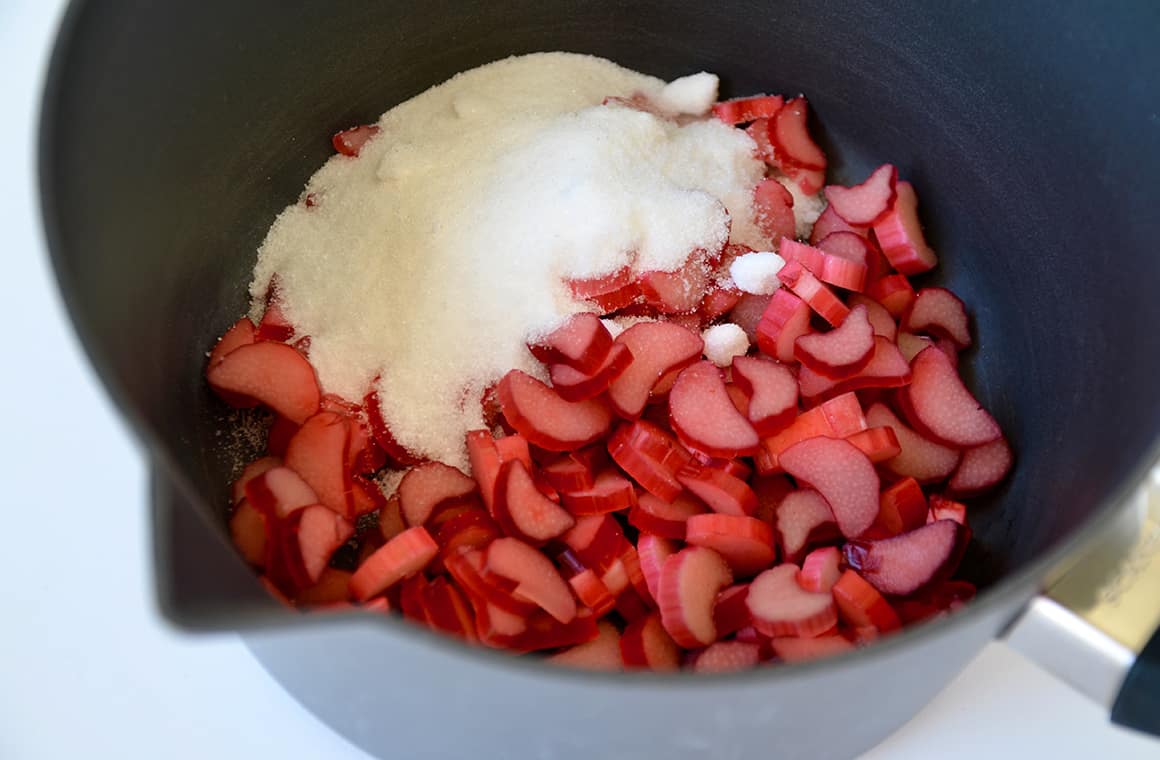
(446, 610)
(910, 344)
(779, 606)
(349, 142)
(428, 485)
(610, 492)
(718, 300)
(536, 578)
(248, 531)
(943, 406)
(770, 490)
(887, 368)
(601, 653)
(484, 587)
(652, 551)
(248, 473)
(894, 292)
(784, 320)
(921, 458)
(704, 417)
(838, 417)
(592, 592)
(598, 541)
(741, 110)
(676, 292)
(773, 210)
(878, 444)
(942, 508)
(273, 374)
(937, 311)
(608, 292)
(846, 244)
(803, 518)
(539, 414)
(841, 352)
(981, 468)
(860, 604)
(758, 131)
(278, 492)
(771, 390)
(727, 657)
(274, 324)
(332, 587)
(809, 181)
(867, 203)
(821, 569)
(317, 532)
(582, 342)
(317, 452)
(402, 556)
(687, 593)
(657, 348)
(902, 507)
(907, 563)
(241, 333)
(650, 456)
(790, 135)
(899, 234)
(470, 529)
(662, 518)
(646, 644)
(794, 649)
(830, 268)
(523, 509)
(746, 543)
(573, 385)
(279, 435)
(545, 632)
(724, 493)
(808, 288)
(880, 319)
(829, 222)
(569, 473)
(842, 474)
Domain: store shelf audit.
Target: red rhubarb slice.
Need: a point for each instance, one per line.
(829, 222)
(350, 142)
(650, 456)
(317, 452)
(943, 406)
(860, 604)
(317, 532)
(610, 492)
(807, 287)
(401, 557)
(981, 468)
(793, 649)
(867, 203)
(803, 518)
(248, 531)
(662, 518)
(703, 416)
(746, 543)
(523, 509)
(821, 569)
(887, 368)
(574, 385)
(741, 110)
(771, 390)
(601, 653)
(894, 292)
(582, 342)
(657, 348)
(907, 563)
(273, 374)
(687, 592)
(902, 507)
(841, 352)
(899, 234)
(428, 485)
(773, 210)
(781, 607)
(880, 319)
(536, 578)
(539, 414)
(646, 644)
(727, 657)
(652, 552)
(785, 319)
(279, 491)
(878, 444)
(724, 493)
(791, 139)
(842, 474)
(921, 458)
(937, 311)
(241, 333)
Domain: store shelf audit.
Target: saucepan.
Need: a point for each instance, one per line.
(172, 134)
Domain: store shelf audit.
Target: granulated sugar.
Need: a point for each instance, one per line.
(431, 258)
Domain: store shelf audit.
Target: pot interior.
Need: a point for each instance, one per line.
(173, 134)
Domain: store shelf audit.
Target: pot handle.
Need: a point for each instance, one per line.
(1097, 627)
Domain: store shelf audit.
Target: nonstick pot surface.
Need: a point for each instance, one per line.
(173, 134)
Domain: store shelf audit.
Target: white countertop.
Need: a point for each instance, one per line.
(87, 667)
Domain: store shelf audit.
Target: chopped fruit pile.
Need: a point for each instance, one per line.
(650, 508)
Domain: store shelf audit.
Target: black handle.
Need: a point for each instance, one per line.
(1138, 704)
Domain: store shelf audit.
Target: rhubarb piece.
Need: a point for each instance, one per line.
(902, 507)
(272, 374)
(791, 139)
(773, 210)
(880, 319)
(922, 459)
(241, 333)
(887, 368)
(662, 518)
(803, 518)
(981, 468)
(601, 653)
(657, 348)
(842, 474)
(793, 649)
(350, 142)
(610, 492)
(581, 342)
(878, 444)
(704, 417)
(771, 390)
(278, 492)
(807, 287)
(821, 569)
(894, 292)
(912, 561)
(938, 311)
(689, 583)
(727, 657)
(574, 385)
(523, 509)
(742, 110)
(677, 292)
(746, 543)
(867, 203)
(427, 486)
(841, 352)
(944, 407)
(785, 319)
(401, 557)
(724, 493)
(860, 604)
(779, 606)
(899, 234)
(539, 414)
(317, 452)
(829, 222)
(248, 531)
(536, 578)
(650, 456)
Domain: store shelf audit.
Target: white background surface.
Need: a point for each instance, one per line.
(88, 669)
